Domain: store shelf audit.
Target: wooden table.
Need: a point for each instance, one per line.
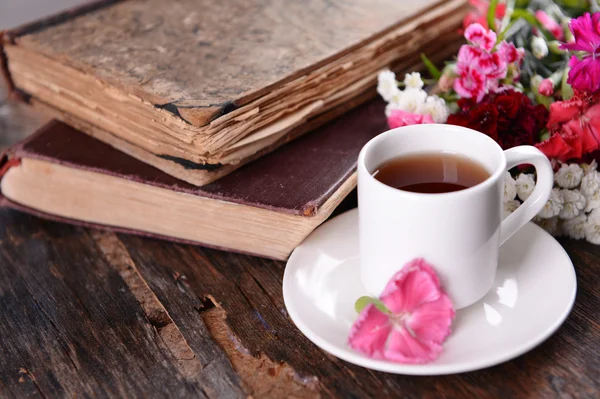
(89, 313)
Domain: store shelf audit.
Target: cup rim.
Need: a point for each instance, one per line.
(492, 179)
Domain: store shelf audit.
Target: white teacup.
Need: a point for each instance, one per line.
(457, 232)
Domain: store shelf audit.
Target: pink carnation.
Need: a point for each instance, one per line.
(418, 322)
(481, 65)
(399, 118)
(480, 36)
(470, 84)
(586, 30)
(585, 73)
(510, 52)
(550, 24)
(546, 88)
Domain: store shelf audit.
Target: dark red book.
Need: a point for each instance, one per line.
(265, 208)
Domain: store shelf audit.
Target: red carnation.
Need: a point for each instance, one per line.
(483, 118)
(574, 127)
(509, 117)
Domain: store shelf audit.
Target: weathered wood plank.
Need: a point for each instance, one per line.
(248, 290)
(71, 325)
(200, 355)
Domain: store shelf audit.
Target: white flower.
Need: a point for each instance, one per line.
(511, 206)
(413, 80)
(412, 99)
(575, 228)
(553, 206)
(592, 227)
(539, 47)
(574, 203)
(525, 185)
(386, 84)
(590, 188)
(568, 176)
(436, 107)
(510, 188)
(394, 103)
(589, 167)
(548, 224)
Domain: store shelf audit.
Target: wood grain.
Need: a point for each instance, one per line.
(72, 327)
(73, 323)
(249, 291)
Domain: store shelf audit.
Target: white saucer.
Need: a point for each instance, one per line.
(532, 295)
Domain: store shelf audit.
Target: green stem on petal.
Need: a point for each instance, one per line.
(502, 34)
(433, 70)
(566, 91)
(363, 301)
(491, 15)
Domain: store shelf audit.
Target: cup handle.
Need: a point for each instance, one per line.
(533, 205)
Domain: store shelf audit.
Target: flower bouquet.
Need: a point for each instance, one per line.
(529, 74)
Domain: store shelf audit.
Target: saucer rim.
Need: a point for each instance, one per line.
(346, 354)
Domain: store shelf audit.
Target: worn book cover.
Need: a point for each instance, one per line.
(265, 208)
(199, 87)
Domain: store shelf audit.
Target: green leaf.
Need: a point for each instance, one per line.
(363, 301)
(566, 90)
(491, 15)
(502, 34)
(433, 70)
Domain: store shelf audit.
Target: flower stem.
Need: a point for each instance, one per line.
(362, 302)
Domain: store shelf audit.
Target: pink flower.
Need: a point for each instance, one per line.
(510, 52)
(471, 84)
(467, 57)
(550, 24)
(479, 67)
(417, 324)
(399, 118)
(480, 36)
(585, 73)
(546, 87)
(586, 30)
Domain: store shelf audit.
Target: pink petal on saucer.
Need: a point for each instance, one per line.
(370, 332)
(402, 347)
(431, 321)
(414, 284)
(418, 321)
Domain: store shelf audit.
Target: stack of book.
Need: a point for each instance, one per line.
(159, 104)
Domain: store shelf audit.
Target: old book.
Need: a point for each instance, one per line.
(198, 87)
(265, 208)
